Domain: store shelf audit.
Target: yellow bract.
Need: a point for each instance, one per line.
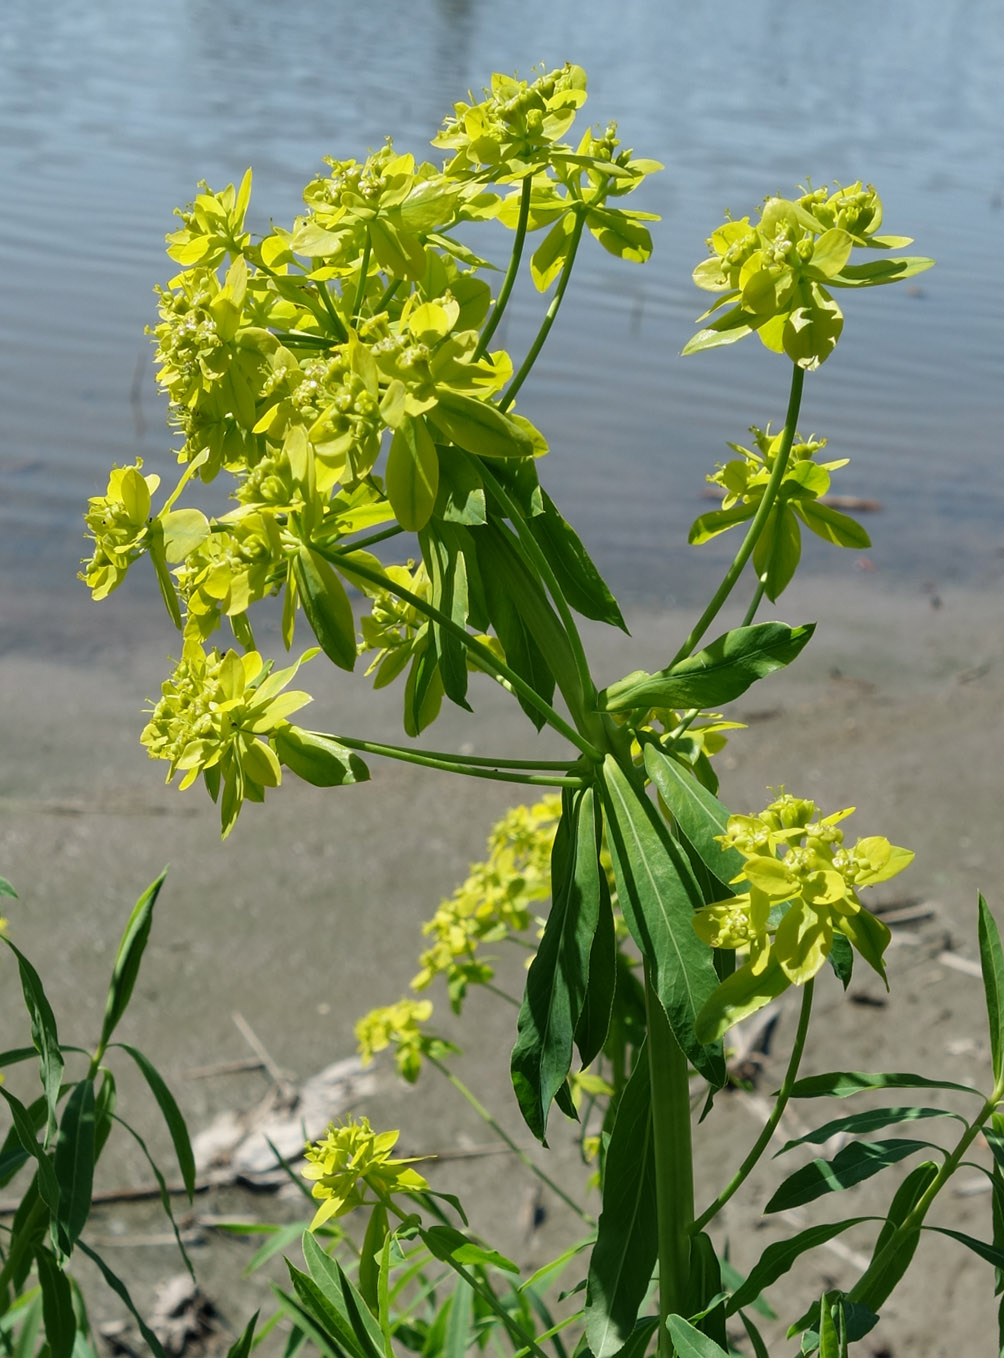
(350, 1159)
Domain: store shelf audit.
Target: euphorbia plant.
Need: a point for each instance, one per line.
(342, 373)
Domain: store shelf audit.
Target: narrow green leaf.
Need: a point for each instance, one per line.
(581, 583)
(881, 271)
(658, 894)
(6, 889)
(171, 1114)
(26, 1311)
(369, 1256)
(423, 689)
(853, 1165)
(755, 1337)
(461, 496)
(445, 549)
(305, 1326)
(27, 1232)
(597, 1007)
(842, 1083)
(699, 816)
(317, 758)
(128, 958)
(733, 325)
(74, 1164)
(829, 1342)
(242, 1347)
(991, 1253)
(326, 1324)
(704, 1285)
(992, 965)
(778, 1258)
(326, 606)
(457, 1341)
(871, 1120)
(25, 1126)
(122, 1292)
(715, 675)
(778, 551)
(627, 1245)
(690, 1343)
(57, 1304)
(355, 1318)
(715, 521)
(878, 1281)
(445, 1243)
(412, 478)
(558, 978)
(479, 426)
(44, 1035)
(165, 1197)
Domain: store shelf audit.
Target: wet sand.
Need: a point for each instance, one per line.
(310, 913)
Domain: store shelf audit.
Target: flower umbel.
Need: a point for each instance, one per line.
(212, 718)
(400, 1024)
(351, 1158)
(118, 522)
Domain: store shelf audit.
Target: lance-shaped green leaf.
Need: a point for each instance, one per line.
(171, 1114)
(699, 815)
(857, 1162)
(986, 1251)
(57, 1304)
(327, 607)
(658, 894)
(423, 689)
(446, 549)
(882, 1275)
(122, 1292)
(627, 1245)
(832, 526)
(44, 1035)
(992, 965)
(715, 675)
(841, 1084)
(879, 271)
(25, 1127)
(446, 1243)
(241, 1348)
(778, 1258)
(578, 579)
(128, 958)
(74, 1164)
(461, 496)
(412, 479)
(316, 758)
(690, 1343)
(558, 978)
(704, 1286)
(597, 1007)
(479, 427)
(871, 1120)
(355, 1324)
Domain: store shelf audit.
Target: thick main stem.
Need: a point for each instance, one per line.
(674, 1162)
(759, 520)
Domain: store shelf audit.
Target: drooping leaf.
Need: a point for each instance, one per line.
(708, 526)
(778, 1258)
(624, 1257)
(579, 580)
(128, 958)
(738, 996)
(880, 271)
(461, 495)
(326, 606)
(423, 689)
(171, 1114)
(317, 758)
(991, 1253)
(122, 1292)
(832, 526)
(594, 1019)
(842, 1083)
(700, 816)
(620, 234)
(715, 675)
(479, 426)
(74, 1164)
(992, 965)
(778, 551)
(445, 1242)
(25, 1127)
(658, 894)
(548, 259)
(445, 549)
(165, 1197)
(558, 977)
(853, 1165)
(44, 1035)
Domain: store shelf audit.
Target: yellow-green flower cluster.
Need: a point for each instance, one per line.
(495, 900)
(348, 1160)
(400, 1024)
(214, 718)
(801, 887)
(775, 273)
(119, 523)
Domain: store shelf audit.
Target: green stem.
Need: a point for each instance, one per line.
(674, 1164)
(756, 600)
(364, 266)
(374, 538)
(758, 523)
(511, 272)
(550, 314)
(870, 1290)
(388, 293)
(780, 1103)
(486, 658)
(502, 994)
(472, 768)
(531, 547)
(500, 1131)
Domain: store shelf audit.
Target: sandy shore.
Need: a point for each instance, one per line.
(310, 913)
